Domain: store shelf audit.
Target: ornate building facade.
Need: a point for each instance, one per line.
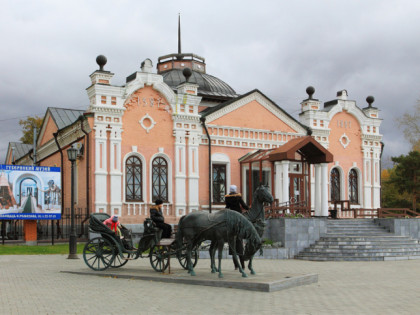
(184, 136)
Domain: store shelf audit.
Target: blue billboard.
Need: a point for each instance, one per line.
(30, 192)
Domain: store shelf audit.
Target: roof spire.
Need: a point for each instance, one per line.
(179, 33)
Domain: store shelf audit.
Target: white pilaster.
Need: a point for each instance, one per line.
(193, 174)
(100, 168)
(180, 173)
(115, 170)
(318, 189)
(367, 180)
(324, 189)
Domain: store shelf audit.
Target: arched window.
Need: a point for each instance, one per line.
(353, 186)
(219, 183)
(335, 185)
(133, 179)
(160, 179)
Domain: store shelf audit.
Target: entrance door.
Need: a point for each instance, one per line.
(296, 189)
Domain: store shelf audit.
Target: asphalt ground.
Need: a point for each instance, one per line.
(35, 284)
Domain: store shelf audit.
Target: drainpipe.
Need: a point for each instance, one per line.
(82, 119)
(34, 159)
(203, 122)
(62, 178)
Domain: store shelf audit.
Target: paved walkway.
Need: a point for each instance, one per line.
(35, 285)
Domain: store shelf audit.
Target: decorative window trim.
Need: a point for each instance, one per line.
(218, 166)
(143, 169)
(152, 122)
(169, 161)
(221, 158)
(345, 142)
(359, 184)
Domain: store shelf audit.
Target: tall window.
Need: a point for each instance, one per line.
(353, 186)
(335, 185)
(133, 179)
(219, 183)
(160, 179)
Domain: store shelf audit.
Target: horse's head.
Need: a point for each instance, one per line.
(253, 244)
(263, 194)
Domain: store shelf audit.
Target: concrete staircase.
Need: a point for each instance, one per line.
(360, 240)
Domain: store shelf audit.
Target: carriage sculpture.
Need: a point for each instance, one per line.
(108, 250)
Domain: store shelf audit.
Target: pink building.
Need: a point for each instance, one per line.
(148, 139)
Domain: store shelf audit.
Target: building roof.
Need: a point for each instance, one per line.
(21, 149)
(307, 146)
(64, 117)
(208, 85)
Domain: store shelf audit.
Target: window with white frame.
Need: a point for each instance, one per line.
(133, 179)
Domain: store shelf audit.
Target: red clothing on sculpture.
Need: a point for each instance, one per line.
(111, 224)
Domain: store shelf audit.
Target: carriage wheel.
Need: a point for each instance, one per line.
(119, 262)
(159, 258)
(182, 257)
(99, 254)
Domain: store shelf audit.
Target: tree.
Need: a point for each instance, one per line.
(406, 175)
(28, 125)
(410, 124)
(390, 197)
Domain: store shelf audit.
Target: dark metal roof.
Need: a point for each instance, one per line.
(208, 85)
(64, 117)
(307, 146)
(21, 149)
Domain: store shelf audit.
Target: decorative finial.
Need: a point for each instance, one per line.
(101, 61)
(310, 90)
(370, 99)
(187, 73)
(309, 132)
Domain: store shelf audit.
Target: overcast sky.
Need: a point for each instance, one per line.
(48, 50)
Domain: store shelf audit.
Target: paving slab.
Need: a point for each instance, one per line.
(33, 284)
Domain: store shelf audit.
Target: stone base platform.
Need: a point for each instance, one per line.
(262, 281)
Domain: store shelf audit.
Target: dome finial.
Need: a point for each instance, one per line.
(370, 99)
(310, 90)
(101, 61)
(187, 73)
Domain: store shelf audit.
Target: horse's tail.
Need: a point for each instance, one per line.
(179, 237)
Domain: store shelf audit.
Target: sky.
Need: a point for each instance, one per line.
(48, 50)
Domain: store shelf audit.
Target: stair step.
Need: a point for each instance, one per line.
(360, 251)
(357, 258)
(360, 240)
(364, 246)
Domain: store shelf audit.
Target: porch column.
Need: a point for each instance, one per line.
(324, 189)
(285, 180)
(317, 193)
(278, 181)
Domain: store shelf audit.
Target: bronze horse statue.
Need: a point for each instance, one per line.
(256, 216)
(220, 227)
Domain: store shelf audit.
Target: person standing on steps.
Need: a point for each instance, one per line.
(235, 202)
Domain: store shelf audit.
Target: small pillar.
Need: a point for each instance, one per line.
(30, 232)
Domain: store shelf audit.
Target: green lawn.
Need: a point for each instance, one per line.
(38, 249)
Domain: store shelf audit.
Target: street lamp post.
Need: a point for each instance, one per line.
(72, 155)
